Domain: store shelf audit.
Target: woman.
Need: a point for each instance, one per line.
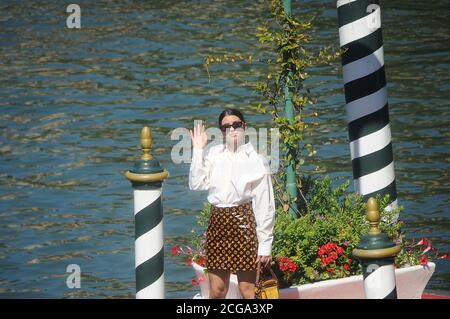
(240, 229)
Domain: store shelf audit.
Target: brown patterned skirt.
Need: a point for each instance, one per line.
(231, 241)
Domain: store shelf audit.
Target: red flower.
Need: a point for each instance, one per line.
(347, 267)
(194, 282)
(286, 264)
(423, 260)
(175, 250)
(201, 261)
(293, 267)
(331, 270)
(330, 253)
(445, 256)
(424, 243)
(189, 261)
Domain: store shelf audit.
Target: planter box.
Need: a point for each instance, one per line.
(410, 281)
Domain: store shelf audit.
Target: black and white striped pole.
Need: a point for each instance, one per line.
(366, 98)
(377, 252)
(147, 178)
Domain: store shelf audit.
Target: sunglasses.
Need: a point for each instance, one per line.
(235, 125)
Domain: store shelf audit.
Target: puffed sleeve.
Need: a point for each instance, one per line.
(264, 208)
(200, 170)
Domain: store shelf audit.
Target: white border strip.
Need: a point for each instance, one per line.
(149, 244)
(360, 28)
(153, 291)
(143, 198)
(371, 143)
(342, 2)
(380, 283)
(364, 66)
(392, 206)
(366, 105)
(375, 181)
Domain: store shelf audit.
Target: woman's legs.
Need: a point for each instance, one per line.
(246, 281)
(219, 281)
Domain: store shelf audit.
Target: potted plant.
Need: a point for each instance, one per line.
(315, 250)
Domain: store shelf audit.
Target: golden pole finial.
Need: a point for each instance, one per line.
(373, 216)
(146, 143)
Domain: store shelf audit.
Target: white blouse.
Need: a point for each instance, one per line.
(236, 178)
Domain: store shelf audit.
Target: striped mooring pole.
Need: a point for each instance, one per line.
(377, 252)
(147, 178)
(366, 98)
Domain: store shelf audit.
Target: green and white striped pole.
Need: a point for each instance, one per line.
(377, 252)
(147, 178)
(366, 98)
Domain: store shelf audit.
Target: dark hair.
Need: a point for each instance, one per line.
(228, 111)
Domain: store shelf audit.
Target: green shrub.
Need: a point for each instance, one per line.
(333, 216)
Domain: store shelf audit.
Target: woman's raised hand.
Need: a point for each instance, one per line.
(199, 137)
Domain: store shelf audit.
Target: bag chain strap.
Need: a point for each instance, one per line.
(258, 274)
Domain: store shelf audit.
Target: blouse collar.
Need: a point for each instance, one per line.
(247, 148)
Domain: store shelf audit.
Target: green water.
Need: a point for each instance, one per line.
(73, 103)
